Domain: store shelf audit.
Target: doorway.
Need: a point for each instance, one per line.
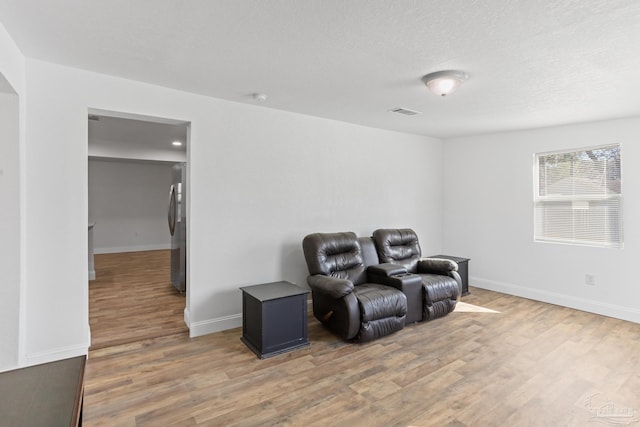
(130, 174)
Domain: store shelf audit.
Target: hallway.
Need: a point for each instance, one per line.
(132, 299)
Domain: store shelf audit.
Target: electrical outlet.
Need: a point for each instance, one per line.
(590, 280)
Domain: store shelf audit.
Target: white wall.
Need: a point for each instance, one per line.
(12, 61)
(128, 202)
(275, 177)
(260, 180)
(9, 229)
(488, 216)
(12, 313)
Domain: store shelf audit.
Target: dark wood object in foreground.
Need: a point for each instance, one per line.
(43, 395)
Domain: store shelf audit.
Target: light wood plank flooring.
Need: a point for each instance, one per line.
(132, 299)
(497, 361)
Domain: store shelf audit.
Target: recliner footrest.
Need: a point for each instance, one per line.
(440, 295)
(439, 287)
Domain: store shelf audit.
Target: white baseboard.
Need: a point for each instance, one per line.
(591, 306)
(120, 249)
(211, 326)
(56, 354)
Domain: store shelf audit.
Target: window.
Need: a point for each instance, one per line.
(578, 197)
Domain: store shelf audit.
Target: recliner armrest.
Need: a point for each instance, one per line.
(330, 286)
(386, 270)
(399, 281)
(436, 265)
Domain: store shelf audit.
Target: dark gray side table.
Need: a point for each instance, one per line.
(463, 270)
(274, 318)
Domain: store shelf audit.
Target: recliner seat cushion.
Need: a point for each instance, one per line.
(380, 301)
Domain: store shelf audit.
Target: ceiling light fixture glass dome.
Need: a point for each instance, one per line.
(443, 83)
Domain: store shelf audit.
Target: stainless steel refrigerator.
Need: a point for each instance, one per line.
(177, 217)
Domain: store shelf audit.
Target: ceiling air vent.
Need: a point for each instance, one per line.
(405, 111)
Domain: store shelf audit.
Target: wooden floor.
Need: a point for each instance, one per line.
(132, 299)
(497, 361)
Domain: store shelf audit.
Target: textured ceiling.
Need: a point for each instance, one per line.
(531, 63)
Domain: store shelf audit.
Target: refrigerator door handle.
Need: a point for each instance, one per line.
(171, 215)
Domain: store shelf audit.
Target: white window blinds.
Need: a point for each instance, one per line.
(578, 197)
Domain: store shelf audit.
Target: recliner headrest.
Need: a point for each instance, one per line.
(399, 246)
(335, 254)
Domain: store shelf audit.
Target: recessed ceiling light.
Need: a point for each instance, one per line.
(177, 143)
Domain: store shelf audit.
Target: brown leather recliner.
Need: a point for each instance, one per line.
(343, 298)
(441, 283)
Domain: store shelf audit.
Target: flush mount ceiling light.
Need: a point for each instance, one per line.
(443, 83)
